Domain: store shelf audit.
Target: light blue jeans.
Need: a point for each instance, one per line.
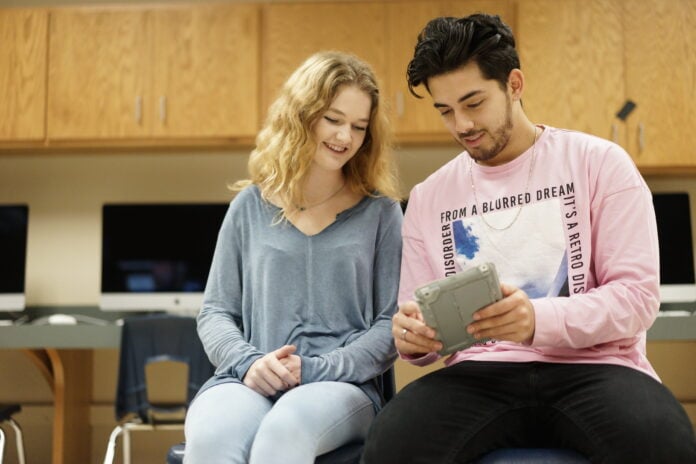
(231, 423)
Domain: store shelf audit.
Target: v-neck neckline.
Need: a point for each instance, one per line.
(339, 217)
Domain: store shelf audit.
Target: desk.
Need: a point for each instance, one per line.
(63, 356)
(673, 328)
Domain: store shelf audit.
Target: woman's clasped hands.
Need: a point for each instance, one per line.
(277, 371)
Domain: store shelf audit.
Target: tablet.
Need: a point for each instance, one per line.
(448, 304)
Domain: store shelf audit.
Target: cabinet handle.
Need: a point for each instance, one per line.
(138, 109)
(163, 109)
(614, 133)
(399, 100)
(641, 137)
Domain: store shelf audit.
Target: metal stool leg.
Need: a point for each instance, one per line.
(6, 412)
(111, 446)
(2, 445)
(20, 441)
(126, 445)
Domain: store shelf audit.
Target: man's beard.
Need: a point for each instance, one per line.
(500, 138)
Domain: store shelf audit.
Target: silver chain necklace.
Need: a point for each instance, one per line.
(519, 209)
(305, 208)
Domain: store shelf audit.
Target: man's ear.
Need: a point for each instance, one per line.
(516, 84)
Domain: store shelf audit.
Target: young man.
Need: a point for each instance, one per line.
(568, 222)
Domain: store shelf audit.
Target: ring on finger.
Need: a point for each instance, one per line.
(403, 334)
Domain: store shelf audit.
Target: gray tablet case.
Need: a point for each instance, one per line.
(448, 304)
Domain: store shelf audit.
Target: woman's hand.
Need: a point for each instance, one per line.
(274, 372)
(293, 363)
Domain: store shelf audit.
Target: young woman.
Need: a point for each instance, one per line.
(303, 285)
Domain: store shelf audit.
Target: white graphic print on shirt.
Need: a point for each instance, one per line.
(532, 254)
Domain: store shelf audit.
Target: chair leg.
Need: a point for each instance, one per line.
(20, 441)
(111, 446)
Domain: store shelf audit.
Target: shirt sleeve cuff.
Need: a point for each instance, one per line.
(420, 360)
(242, 368)
(546, 323)
(307, 369)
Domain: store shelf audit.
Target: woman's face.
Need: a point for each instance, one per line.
(340, 131)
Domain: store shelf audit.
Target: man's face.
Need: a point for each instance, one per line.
(476, 111)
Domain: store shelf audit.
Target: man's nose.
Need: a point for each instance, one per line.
(462, 124)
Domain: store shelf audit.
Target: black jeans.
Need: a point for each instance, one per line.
(611, 414)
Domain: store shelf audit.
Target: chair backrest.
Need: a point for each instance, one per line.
(166, 382)
(158, 337)
(388, 384)
(172, 392)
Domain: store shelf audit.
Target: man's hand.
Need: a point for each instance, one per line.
(274, 372)
(511, 318)
(411, 335)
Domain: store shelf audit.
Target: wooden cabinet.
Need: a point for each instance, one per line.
(206, 71)
(584, 59)
(200, 74)
(383, 34)
(98, 75)
(172, 72)
(415, 119)
(572, 53)
(660, 38)
(291, 32)
(23, 38)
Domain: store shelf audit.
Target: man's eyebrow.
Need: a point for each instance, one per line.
(460, 99)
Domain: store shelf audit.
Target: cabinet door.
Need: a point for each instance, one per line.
(22, 74)
(98, 74)
(660, 78)
(571, 53)
(292, 32)
(206, 63)
(415, 119)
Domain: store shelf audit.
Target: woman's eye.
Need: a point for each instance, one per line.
(360, 128)
(331, 120)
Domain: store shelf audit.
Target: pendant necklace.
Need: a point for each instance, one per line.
(305, 208)
(519, 209)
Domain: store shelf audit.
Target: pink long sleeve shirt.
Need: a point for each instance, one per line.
(583, 246)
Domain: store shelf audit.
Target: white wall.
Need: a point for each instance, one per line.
(65, 193)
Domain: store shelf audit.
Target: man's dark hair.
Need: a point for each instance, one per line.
(447, 43)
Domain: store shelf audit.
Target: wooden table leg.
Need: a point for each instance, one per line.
(69, 374)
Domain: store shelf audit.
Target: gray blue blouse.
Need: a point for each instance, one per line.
(331, 294)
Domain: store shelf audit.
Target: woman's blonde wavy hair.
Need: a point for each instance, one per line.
(285, 146)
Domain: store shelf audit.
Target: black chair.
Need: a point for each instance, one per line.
(6, 413)
(533, 456)
(350, 454)
(168, 344)
(347, 454)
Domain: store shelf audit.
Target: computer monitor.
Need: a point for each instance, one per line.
(157, 256)
(14, 221)
(673, 214)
